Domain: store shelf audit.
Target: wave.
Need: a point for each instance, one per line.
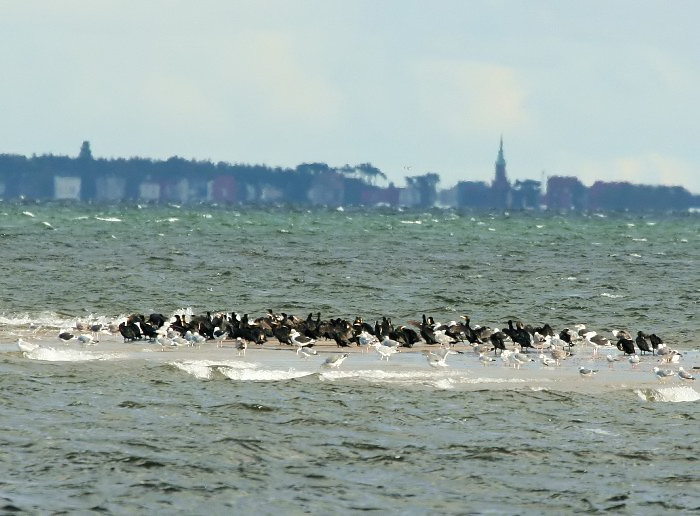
(238, 371)
(676, 394)
(49, 354)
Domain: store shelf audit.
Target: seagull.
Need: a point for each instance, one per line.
(164, 342)
(443, 339)
(634, 360)
(669, 356)
(520, 359)
(299, 340)
(547, 361)
(365, 340)
(685, 375)
(385, 351)
(94, 330)
(335, 360)
(86, 339)
(390, 343)
(26, 347)
(219, 337)
(663, 374)
(611, 360)
(437, 359)
(585, 372)
(506, 356)
(241, 346)
(485, 359)
(194, 338)
(307, 352)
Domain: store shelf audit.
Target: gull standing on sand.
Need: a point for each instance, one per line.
(586, 372)
(365, 340)
(485, 359)
(307, 352)
(241, 346)
(520, 358)
(634, 360)
(385, 351)
(335, 360)
(663, 374)
(685, 375)
(299, 340)
(547, 361)
(611, 360)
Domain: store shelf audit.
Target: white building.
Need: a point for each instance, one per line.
(66, 188)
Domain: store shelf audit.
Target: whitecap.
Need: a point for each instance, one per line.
(67, 355)
(612, 296)
(411, 222)
(669, 394)
(639, 239)
(108, 219)
(601, 431)
(261, 375)
(28, 213)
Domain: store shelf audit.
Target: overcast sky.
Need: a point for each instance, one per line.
(603, 90)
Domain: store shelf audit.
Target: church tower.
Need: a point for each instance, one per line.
(500, 186)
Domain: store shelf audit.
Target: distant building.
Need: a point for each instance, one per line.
(110, 188)
(500, 186)
(66, 188)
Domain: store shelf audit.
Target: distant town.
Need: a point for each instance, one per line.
(176, 180)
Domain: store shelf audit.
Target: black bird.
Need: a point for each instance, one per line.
(130, 332)
(65, 336)
(427, 332)
(642, 343)
(655, 341)
(497, 340)
(519, 334)
(565, 335)
(625, 345)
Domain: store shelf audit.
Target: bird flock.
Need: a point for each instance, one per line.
(515, 345)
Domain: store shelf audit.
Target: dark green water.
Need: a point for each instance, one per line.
(138, 436)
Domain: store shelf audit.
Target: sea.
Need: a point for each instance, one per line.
(89, 431)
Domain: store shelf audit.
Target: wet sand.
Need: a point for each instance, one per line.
(463, 367)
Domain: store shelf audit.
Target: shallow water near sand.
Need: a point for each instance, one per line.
(125, 428)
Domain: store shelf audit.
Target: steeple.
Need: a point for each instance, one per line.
(500, 166)
(501, 187)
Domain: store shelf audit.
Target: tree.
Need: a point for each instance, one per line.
(85, 152)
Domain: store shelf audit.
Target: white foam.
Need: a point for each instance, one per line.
(67, 355)
(611, 296)
(261, 375)
(601, 431)
(108, 219)
(676, 394)
(204, 369)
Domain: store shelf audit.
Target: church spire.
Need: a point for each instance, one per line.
(501, 186)
(500, 165)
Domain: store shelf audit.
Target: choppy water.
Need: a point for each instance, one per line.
(131, 436)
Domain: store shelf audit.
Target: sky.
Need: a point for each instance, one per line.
(602, 90)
